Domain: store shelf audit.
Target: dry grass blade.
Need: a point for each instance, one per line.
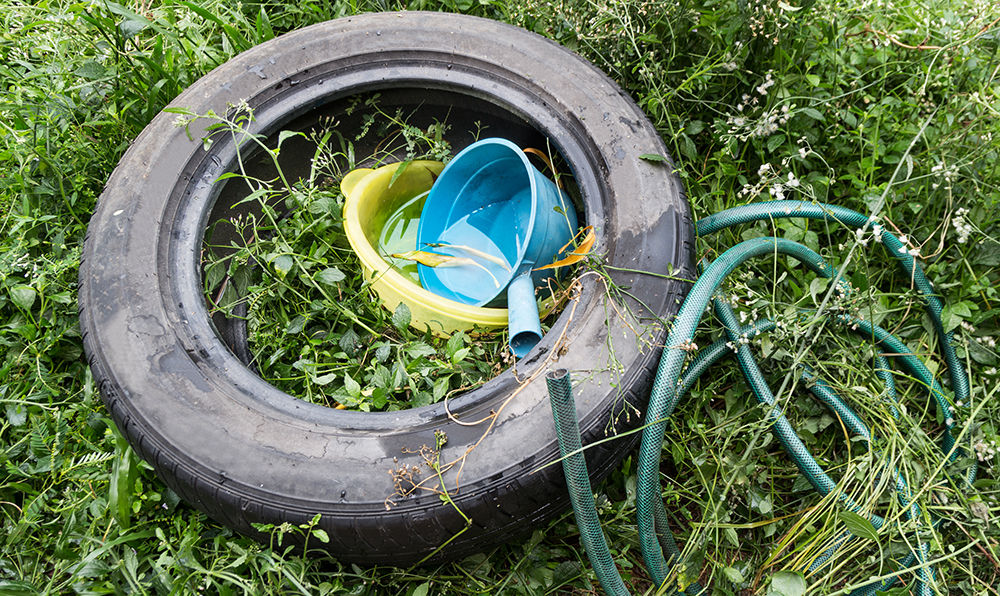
(435, 260)
(580, 253)
(472, 251)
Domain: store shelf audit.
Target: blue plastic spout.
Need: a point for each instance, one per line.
(522, 315)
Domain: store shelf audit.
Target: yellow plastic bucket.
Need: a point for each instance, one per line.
(370, 200)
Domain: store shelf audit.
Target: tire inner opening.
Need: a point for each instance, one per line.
(286, 292)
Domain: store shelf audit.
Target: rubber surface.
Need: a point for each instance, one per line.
(178, 386)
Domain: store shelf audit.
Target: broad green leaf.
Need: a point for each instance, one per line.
(859, 526)
(760, 502)
(91, 70)
(214, 273)
(286, 134)
(460, 355)
(654, 158)
(421, 398)
(296, 325)
(263, 25)
(330, 276)
(326, 379)
(788, 583)
(817, 287)
(441, 387)
(379, 398)
(733, 574)
(731, 536)
(23, 296)
(353, 387)
(382, 378)
(813, 113)
(422, 589)
(349, 342)
(688, 148)
(283, 265)
(953, 314)
(401, 316)
(455, 343)
(775, 141)
(92, 568)
(419, 350)
(17, 414)
(321, 205)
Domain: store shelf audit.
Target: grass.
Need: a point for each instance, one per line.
(290, 273)
(312, 329)
(755, 99)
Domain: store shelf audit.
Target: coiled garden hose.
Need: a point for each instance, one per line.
(673, 381)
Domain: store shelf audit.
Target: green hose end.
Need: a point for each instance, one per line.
(578, 483)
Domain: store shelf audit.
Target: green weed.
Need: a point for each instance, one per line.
(315, 328)
(756, 100)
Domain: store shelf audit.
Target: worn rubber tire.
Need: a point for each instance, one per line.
(244, 452)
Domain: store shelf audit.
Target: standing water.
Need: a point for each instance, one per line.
(489, 230)
(399, 234)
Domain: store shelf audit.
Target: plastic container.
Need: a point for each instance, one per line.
(491, 200)
(370, 202)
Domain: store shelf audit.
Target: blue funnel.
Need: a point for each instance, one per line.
(492, 207)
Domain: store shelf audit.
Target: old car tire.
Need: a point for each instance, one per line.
(244, 452)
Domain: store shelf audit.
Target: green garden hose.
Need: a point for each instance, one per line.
(673, 380)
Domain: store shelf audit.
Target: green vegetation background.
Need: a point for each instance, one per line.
(756, 99)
